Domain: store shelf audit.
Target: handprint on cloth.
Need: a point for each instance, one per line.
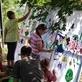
(73, 45)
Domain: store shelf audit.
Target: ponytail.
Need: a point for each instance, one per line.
(44, 63)
(41, 26)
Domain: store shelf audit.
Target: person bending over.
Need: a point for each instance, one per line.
(26, 69)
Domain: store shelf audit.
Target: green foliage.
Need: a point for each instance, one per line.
(32, 3)
(14, 6)
(65, 8)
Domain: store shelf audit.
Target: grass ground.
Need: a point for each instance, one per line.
(7, 72)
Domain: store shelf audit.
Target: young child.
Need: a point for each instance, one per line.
(36, 41)
(50, 77)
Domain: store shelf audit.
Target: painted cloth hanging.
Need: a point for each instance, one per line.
(68, 40)
(27, 32)
(73, 45)
(75, 37)
(64, 40)
(22, 41)
(21, 31)
(44, 20)
(81, 51)
(61, 36)
(28, 24)
(33, 14)
(72, 26)
(33, 26)
(60, 48)
(81, 36)
(69, 75)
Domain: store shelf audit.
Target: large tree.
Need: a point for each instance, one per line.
(65, 8)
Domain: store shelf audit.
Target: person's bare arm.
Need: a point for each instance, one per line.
(41, 49)
(29, 41)
(16, 79)
(23, 18)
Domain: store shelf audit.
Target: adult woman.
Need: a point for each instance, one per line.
(11, 35)
(36, 41)
(26, 69)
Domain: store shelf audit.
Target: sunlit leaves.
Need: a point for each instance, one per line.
(32, 3)
(11, 5)
(65, 8)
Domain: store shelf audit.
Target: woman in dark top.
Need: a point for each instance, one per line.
(26, 69)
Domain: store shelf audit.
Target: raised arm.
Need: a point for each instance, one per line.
(41, 49)
(23, 18)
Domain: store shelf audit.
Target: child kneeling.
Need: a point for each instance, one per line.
(50, 77)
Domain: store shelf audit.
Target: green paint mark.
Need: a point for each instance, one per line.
(27, 26)
(23, 23)
(69, 75)
(44, 20)
(19, 54)
(26, 33)
(81, 36)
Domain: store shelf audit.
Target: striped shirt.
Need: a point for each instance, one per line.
(35, 39)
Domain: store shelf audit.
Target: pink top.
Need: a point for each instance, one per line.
(49, 76)
(35, 39)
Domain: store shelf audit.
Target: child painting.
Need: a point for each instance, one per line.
(48, 75)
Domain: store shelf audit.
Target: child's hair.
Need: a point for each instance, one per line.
(44, 63)
(40, 27)
(9, 14)
(26, 50)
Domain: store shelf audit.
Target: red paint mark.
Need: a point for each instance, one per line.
(73, 45)
(81, 51)
(52, 22)
(21, 31)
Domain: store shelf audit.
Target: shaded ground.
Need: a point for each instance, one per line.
(4, 55)
(8, 72)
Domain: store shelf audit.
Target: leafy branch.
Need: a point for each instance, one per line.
(65, 8)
